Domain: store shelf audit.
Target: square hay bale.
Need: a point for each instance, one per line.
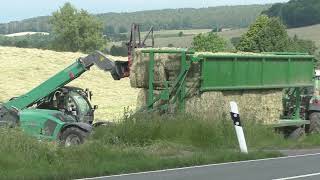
(167, 68)
(264, 106)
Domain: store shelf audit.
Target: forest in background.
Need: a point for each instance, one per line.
(167, 19)
(296, 13)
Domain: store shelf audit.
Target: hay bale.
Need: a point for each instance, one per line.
(139, 73)
(167, 68)
(142, 98)
(263, 106)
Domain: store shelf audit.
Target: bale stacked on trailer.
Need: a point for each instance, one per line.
(167, 68)
(264, 105)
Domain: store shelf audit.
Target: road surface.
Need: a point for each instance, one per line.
(285, 168)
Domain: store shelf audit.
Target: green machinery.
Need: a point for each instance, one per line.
(222, 72)
(55, 112)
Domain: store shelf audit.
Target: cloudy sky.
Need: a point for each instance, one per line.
(11, 10)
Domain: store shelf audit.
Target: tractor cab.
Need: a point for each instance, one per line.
(314, 103)
(309, 98)
(72, 101)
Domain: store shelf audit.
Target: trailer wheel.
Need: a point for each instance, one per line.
(297, 133)
(73, 136)
(314, 122)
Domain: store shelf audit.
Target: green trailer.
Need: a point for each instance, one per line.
(250, 71)
(235, 71)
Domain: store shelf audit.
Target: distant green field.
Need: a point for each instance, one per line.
(186, 40)
(308, 33)
(176, 32)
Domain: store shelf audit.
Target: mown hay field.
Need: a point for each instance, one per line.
(308, 33)
(24, 69)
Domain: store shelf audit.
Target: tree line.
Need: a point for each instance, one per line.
(296, 13)
(38, 41)
(169, 19)
(77, 30)
(71, 30)
(264, 35)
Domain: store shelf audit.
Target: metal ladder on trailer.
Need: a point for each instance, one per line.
(176, 92)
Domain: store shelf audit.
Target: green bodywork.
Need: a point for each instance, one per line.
(41, 123)
(265, 71)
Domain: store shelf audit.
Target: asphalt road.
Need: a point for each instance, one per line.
(285, 168)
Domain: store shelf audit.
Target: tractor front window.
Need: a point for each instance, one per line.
(81, 103)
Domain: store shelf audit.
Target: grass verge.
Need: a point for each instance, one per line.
(138, 143)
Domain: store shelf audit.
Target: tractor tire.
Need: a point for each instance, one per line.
(72, 136)
(297, 133)
(314, 122)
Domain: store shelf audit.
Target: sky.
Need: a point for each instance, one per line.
(12, 10)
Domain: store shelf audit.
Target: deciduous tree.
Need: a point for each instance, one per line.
(76, 30)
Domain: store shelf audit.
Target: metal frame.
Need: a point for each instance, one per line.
(174, 93)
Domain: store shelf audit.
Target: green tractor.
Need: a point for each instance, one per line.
(56, 112)
(308, 100)
(314, 106)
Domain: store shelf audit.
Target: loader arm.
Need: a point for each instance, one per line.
(59, 80)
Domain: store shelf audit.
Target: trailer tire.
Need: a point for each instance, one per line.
(297, 133)
(314, 122)
(73, 136)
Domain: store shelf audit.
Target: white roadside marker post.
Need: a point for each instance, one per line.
(235, 116)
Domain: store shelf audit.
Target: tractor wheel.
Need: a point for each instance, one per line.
(314, 122)
(297, 133)
(73, 136)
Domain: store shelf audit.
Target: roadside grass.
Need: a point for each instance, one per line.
(139, 143)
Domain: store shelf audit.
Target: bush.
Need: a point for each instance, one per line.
(210, 42)
(300, 45)
(265, 35)
(29, 41)
(119, 50)
(235, 41)
(122, 29)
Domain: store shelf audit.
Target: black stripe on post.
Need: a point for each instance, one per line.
(236, 119)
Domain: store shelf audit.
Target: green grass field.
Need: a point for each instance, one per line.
(308, 33)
